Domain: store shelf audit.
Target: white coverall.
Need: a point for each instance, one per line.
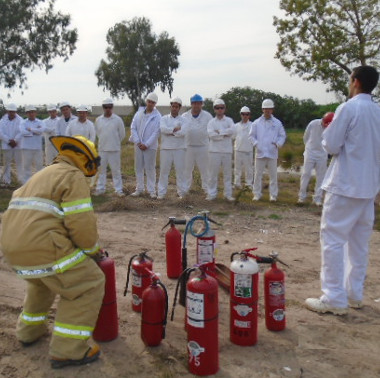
(51, 125)
(243, 154)
(351, 184)
(221, 132)
(10, 129)
(145, 129)
(31, 146)
(315, 157)
(86, 129)
(172, 151)
(266, 135)
(197, 147)
(63, 123)
(110, 132)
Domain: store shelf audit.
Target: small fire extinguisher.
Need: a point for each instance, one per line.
(140, 279)
(106, 328)
(244, 295)
(154, 312)
(173, 248)
(274, 295)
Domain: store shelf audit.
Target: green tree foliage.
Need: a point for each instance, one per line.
(325, 39)
(138, 61)
(32, 34)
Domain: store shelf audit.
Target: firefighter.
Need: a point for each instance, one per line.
(48, 234)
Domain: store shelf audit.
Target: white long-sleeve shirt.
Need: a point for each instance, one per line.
(10, 129)
(110, 131)
(197, 134)
(31, 139)
(220, 132)
(242, 143)
(312, 139)
(172, 140)
(86, 129)
(267, 135)
(353, 138)
(145, 128)
(62, 124)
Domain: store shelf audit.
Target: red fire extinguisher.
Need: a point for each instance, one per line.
(154, 312)
(173, 248)
(106, 328)
(274, 295)
(140, 278)
(244, 297)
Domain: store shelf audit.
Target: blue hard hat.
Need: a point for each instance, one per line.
(196, 98)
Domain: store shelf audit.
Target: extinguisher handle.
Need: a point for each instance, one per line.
(212, 221)
(264, 260)
(179, 221)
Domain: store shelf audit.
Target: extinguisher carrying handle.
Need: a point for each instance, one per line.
(173, 220)
(212, 221)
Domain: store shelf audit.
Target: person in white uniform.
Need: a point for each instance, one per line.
(110, 131)
(351, 184)
(221, 130)
(67, 117)
(82, 125)
(11, 143)
(145, 130)
(31, 130)
(267, 135)
(172, 149)
(315, 157)
(197, 141)
(51, 125)
(243, 150)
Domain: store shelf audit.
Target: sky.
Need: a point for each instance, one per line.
(223, 44)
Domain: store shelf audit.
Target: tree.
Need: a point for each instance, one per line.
(325, 39)
(138, 61)
(31, 36)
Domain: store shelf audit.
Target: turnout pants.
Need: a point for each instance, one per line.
(196, 155)
(111, 158)
(320, 166)
(81, 291)
(260, 164)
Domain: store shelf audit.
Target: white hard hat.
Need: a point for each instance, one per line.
(176, 100)
(267, 104)
(11, 108)
(51, 107)
(82, 108)
(245, 109)
(30, 108)
(152, 97)
(63, 104)
(218, 101)
(107, 101)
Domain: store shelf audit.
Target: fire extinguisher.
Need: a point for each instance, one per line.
(140, 278)
(274, 295)
(106, 328)
(154, 312)
(244, 295)
(173, 248)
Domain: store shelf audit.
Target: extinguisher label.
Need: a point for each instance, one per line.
(240, 324)
(279, 314)
(276, 288)
(195, 309)
(205, 251)
(194, 351)
(243, 285)
(136, 279)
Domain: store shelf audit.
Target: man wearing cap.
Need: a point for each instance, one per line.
(67, 117)
(267, 135)
(221, 130)
(82, 125)
(10, 143)
(315, 157)
(145, 130)
(48, 234)
(197, 142)
(172, 149)
(31, 130)
(51, 125)
(243, 150)
(110, 131)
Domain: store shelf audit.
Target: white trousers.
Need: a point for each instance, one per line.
(320, 166)
(29, 158)
(8, 157)
(111, 158)
(167, 158)
(243, 164)
(145, 161)
(346, 228)
(215, 161)
(260, 165)
(196, 155)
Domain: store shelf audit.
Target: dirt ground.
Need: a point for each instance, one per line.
(311, 346)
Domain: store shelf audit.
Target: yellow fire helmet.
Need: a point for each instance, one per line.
(81, 150)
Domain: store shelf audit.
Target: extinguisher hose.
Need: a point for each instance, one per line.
(129, 270)
(182, 280)
(166, 308)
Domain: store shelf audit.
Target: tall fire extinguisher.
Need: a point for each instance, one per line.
(173, 248)
(140, 278)
(107, 325)
(274, 295)
(154, 312)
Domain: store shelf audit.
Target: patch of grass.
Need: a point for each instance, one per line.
(5, 197)
(275, 216)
